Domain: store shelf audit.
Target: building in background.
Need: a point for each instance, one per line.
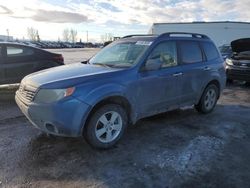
(6, 38)
(220, 32)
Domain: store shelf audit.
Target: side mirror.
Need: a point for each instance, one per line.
(153, 64)
(84, 62)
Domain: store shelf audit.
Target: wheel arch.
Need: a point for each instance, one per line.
(217, 84)
(115, 99)
(213, 81)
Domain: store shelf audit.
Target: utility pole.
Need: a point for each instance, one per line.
(8, 34)
(87, 36)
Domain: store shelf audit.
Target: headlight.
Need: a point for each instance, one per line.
(52, 95)
(229, 62)
(224, 57)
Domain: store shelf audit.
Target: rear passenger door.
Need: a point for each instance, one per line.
(19, 61)
(193, 68)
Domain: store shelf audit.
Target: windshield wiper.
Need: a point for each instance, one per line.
(101, 64)
(120, 65)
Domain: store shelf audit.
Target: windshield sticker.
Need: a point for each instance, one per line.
(144, 43)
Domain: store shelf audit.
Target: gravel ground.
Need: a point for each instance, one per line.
(181, 148)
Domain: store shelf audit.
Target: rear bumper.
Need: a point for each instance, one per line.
(63, 118)
(238, 73)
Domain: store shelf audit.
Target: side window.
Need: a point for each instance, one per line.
(190, 52)
(13, 51)
(166, 53)
(210, 51)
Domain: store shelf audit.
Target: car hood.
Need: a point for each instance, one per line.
(241, 45)
(73, 73)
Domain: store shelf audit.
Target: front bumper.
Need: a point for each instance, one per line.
(238, 73)
(64, 118)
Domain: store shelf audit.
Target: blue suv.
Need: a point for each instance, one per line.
(132, 78)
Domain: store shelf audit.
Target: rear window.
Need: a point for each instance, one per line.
(190, 52)
(210, 51)
(13, 51)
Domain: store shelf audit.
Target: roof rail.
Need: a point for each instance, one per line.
(194, 35)
(139, 35)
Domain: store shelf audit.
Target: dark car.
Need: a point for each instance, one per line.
(132, 78)
(17, 61)
(238, 65)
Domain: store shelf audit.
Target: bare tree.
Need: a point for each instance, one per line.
(32, 33)
(73, 35)
(103, 38)
(110, 36)
(66, 35)
(107, 37)
(69, 35)
(37, 36)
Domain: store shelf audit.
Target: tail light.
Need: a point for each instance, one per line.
(59, 58)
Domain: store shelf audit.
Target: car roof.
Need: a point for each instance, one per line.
(138, 38)
(169, 35)
(27, 46)
(19, 44)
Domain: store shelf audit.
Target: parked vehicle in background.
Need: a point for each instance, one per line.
(132, 78)
(107, 43)
(238, 65)
(17, 61)
(226, 51)
(59, 44)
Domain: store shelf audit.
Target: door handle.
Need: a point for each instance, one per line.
(178, 74)
(206, 68)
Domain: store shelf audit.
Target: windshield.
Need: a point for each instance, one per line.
(120, 54)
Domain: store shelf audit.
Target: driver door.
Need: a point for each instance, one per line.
(158, 90)
(19, 61)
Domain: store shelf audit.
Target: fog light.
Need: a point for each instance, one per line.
(50, 127)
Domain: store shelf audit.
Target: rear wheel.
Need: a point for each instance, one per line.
(208, 99)
(106, 126)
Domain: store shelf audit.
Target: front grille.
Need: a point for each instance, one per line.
(239, 72)
(26, 92)
(238, 63)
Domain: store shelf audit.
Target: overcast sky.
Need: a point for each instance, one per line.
(119, 17)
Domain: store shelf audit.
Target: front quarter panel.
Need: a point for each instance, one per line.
(93, 96)
(97, 94)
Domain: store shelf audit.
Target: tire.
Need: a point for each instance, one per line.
(208, 99)
(101, 131)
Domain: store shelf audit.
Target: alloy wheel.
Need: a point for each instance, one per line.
(108, 127)
(210, 99)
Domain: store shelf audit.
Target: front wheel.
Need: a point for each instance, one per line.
(106, 126)
(208, 99)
